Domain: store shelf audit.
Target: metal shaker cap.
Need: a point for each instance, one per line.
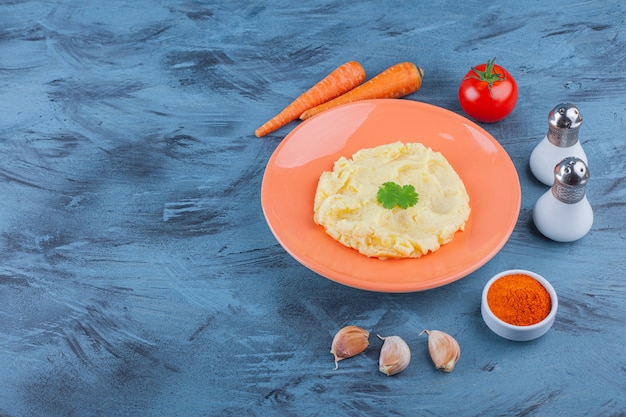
(563, 123)
(570, 179)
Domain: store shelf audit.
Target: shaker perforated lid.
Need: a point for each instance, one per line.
(570, 179)
(563, 124)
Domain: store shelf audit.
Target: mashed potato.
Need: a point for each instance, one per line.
(347, 207)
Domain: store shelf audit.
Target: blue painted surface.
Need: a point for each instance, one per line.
(138, 276)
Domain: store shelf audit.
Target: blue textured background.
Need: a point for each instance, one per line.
(137, 273)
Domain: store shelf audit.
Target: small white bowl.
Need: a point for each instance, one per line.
(513, 332)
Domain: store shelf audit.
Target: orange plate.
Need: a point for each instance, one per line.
(292, 173)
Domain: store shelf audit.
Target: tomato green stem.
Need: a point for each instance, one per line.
(489, 75)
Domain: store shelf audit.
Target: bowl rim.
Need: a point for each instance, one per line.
(546, 284)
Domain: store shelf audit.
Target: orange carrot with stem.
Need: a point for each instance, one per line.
(342, 79)
(397, 81)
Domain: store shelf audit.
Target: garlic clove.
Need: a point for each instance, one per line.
(348, 342)
(444, 349)
(395, 355)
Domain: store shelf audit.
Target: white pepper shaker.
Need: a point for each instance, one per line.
(563, 213)
(561, 141)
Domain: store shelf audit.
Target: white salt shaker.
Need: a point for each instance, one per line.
(563, 213)
(560, 142)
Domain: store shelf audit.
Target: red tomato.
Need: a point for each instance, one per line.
(488, 93)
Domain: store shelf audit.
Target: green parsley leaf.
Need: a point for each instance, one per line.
(391, 195)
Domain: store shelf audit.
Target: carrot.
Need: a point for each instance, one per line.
(397, 81)
(342, 79)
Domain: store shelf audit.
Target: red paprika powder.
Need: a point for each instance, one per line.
(519, 299)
